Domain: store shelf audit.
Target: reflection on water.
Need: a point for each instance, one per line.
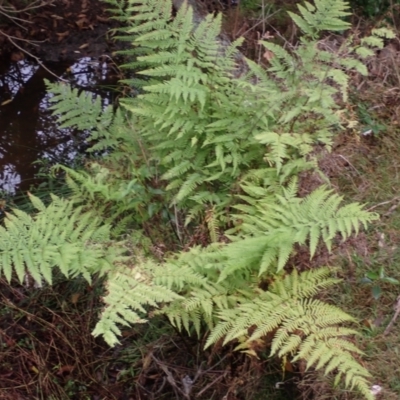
(28, 130)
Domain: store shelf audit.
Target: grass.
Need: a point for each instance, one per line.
(366, 169)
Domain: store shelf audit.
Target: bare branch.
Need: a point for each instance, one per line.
(13, 40)
(34, 5)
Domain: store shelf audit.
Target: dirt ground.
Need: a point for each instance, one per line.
(60, 30)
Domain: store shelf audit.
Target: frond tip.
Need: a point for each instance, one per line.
(325, 15)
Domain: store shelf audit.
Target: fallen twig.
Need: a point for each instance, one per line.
(348, 162)
(13, 39)
(383, 203)
(395, 316)
(178, 391)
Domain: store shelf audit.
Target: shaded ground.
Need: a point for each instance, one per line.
(61, 30)
(47, 352)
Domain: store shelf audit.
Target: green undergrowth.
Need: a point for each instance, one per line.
(374, 8)
(370, 175)
(195, 217)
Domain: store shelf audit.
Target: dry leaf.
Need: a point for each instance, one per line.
(268, 55)
(6, 102)
(63, 35)
(65, 368)
(289, 366)
(34, 369)
(368, 323)
(267, 35)
(17, 56)
(102, 19)
(146, 362)
(250, 352)
(75, 298)
(82, 23)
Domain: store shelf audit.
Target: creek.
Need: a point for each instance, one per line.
(30, 136)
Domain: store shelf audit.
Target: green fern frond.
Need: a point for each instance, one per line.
(59, 235)
(304, 327)
(130, 291)
(317, 216)
(201, 304)
(212, 224)
(81, 110)
(179, 276)
(325, 15)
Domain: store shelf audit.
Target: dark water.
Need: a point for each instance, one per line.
(30, 136)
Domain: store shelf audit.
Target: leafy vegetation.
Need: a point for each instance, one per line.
(372, 8)
(210, 140)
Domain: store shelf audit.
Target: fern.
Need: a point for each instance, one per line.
(204, 140)
(181, 107)
(212, 225)
(271, 227)
(79, 109)
(109, 130)
(194, 275)
(114, 193)
(233, 305)
(303, 327)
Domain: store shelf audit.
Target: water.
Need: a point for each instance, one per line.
(28, 130)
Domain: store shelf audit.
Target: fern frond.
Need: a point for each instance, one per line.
(317, 216)
(325, 15)
(130, 291)
(304, 327)
(81, 110)
(59, 235)
(212, 224)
